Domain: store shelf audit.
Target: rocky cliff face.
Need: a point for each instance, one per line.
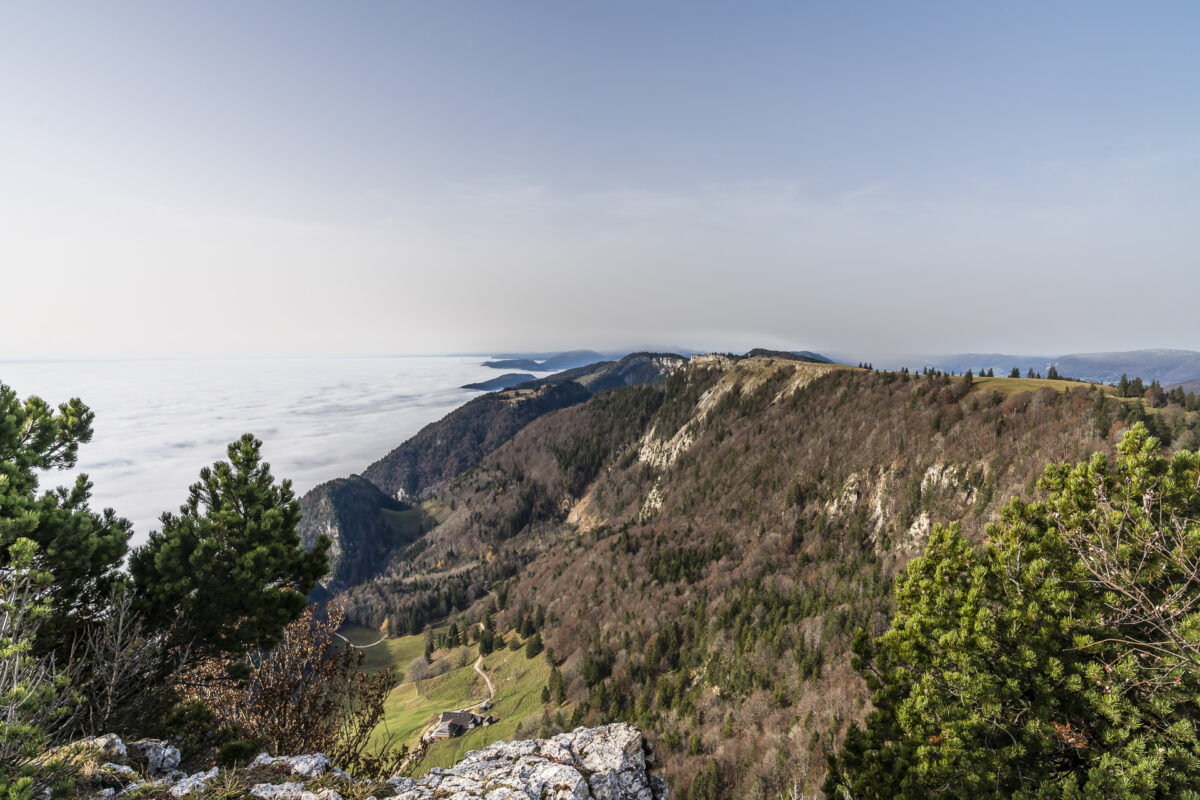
(380, 525)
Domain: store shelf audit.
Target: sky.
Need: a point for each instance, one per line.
(309, 179)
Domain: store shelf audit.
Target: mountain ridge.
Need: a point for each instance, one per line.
(1168, 366)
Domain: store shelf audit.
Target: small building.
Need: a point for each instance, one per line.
(463, 719)
(455, 723)
(445, 730)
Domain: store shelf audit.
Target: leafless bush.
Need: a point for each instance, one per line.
(113, 665)
(310, 694)
(418, 669)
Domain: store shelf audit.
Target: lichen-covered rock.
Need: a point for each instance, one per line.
(312, 765)
(193, 783)
(117, 769)
(324, 794)
(607, 763)
(291, 791)
(139, 785)
(278, 791)
(159, 757)
(109, 745)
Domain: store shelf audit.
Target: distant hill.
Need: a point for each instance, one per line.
(381, 524)
(513, 363)
(958, 363)
(505, 381)
(555, 363)
(791, 355)
(634, 369)
(572, 358)
(1166, 366)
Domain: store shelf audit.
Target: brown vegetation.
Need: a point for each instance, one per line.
(712, 597)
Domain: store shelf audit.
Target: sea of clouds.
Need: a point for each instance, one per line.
(158, 422)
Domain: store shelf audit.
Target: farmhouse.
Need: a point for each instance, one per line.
(456, 723)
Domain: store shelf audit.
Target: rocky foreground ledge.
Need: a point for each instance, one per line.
(606, 763)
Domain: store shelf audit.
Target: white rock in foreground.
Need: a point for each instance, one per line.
(312, 765)
(607, 763)
(193, 783)
(160, 758)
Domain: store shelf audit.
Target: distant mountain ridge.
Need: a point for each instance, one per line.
(505, 381)
(560, 361)
(1169, 367)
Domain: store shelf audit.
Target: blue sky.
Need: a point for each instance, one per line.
(288, 178)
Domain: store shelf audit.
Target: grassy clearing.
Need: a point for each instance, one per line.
(519, 683)
(388, 653)
(1011, 386)
(413, 706)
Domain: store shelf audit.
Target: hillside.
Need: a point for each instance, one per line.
(505, 381)
(1164, 366)
(381, 524)
(362, 515)
(701, 551)
(445, 448)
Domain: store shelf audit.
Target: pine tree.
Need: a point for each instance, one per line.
(80, 548)
(229, 572)
(1057, 661)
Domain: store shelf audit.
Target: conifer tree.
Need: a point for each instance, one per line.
(80, 548)
(228, 572)
(1059, 661)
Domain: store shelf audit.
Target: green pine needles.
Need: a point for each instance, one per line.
(1061, 660)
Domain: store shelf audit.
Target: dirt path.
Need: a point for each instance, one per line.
(491, 696)
(358, 646)
(484, 675)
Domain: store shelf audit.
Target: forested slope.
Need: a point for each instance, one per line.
(700, 553)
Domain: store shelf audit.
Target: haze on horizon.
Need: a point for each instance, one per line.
(295, 178)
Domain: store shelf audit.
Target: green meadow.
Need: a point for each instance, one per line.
(413, 706)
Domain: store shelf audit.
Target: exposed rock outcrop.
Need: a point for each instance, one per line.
(607, 763)
(160, 759)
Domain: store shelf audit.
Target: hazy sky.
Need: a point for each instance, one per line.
(291, 178)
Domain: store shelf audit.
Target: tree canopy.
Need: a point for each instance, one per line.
(79, 548)
(1061, 660)
(228, 572)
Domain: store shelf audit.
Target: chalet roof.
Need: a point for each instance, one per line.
(463, 718)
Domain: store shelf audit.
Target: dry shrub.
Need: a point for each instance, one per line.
(310, 694)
